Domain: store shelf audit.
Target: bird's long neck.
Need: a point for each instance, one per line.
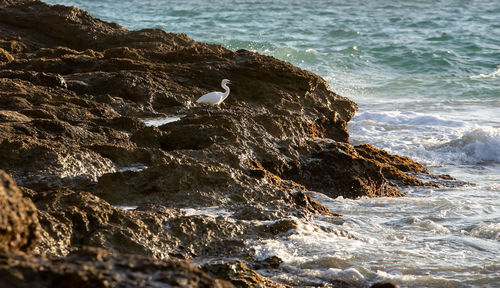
(224, 96)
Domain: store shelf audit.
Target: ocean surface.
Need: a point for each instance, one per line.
(426, 75)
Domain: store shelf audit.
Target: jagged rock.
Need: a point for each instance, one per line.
(385, 285)
(38, 78)
(71, 220)
(272, 262)
(5, 57)
(19, 228)
(312, 205)
(395, 167)
(274, 114)
(239, 274)
(339, 171)
(71, 90)
(44, 165)
(91, 267)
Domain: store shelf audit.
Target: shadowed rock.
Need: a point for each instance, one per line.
(72, 89)
(98, 74)
(91, 267)
(19, 228)
(240, 275)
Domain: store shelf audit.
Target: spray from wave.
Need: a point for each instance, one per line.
(476, 146)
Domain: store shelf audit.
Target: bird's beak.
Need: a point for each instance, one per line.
(229, 82)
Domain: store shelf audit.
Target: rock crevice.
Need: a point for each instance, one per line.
(73, 93)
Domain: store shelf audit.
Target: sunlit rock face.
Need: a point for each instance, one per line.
(74, 95)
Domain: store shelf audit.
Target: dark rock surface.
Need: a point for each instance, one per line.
(19, 228)
(240, 275)
(73, 90)
(92, 267)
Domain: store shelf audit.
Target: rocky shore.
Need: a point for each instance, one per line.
(105, 200)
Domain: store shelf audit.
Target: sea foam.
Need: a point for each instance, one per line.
(476, 146)
(407, 118)
(428, 138)
(493, 74)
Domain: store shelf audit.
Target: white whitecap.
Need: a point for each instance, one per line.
(407, 118)
(475, 146)
(349, 274)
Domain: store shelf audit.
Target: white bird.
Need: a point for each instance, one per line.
(215, 98)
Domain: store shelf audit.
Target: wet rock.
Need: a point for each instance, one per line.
(395, 167)
(71, 90)
(402, 163)
(257, 212)
(71, 220)
(239, 274)
(282, 226)
(202, 235)
(312, 205)
(91, 267)
(385, 285)
(340, 171)
(446, 177)
(19, 227)
(45, 165)
(272, 262)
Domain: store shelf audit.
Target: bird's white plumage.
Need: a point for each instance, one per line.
(215, 98)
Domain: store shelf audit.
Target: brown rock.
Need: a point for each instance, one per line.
(240, 275)
(272, 262)
(340, 171)
(12, 116)
(5, 57)
(71, 90)
(402, 163)
(312, 205)
(395, 167)
(91, 267)
(385, 285)
(39, 78)
(71, 219)
(19, 228)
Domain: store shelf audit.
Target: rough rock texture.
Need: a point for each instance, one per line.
(92, 267)
(73, 90)
(240, 275)
(19, 228)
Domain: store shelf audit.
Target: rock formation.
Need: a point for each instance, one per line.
(74, 91)
(93, 267)
(19, 228)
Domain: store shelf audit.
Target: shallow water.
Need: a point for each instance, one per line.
(427, 77)
(158, 121)
(433, 239)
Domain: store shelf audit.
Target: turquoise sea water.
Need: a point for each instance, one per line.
(427, 77)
